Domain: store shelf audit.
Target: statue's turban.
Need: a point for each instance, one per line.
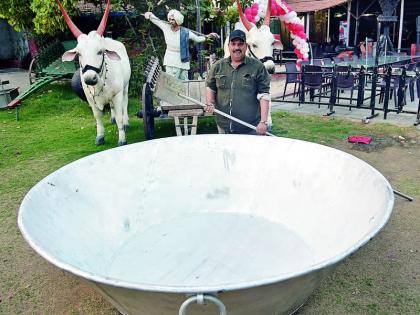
(178, 17)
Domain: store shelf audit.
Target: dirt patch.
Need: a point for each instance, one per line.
(381, 143)
(383, 277)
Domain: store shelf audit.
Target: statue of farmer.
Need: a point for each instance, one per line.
(177, 56)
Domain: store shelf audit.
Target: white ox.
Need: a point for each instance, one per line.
(261, 41)
(105, 74)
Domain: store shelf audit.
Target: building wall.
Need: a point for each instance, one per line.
(14, 45)
(7, 48)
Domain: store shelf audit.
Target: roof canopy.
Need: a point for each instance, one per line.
(313, 5)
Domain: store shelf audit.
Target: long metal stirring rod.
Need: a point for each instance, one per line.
(224, 114)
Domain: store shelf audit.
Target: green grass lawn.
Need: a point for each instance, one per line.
(55, 128)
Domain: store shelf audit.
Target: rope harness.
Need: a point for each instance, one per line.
(100, 72)
(266, 58)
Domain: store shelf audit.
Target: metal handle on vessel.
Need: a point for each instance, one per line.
(200, 299)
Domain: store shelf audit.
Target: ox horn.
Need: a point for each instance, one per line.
(73, 28)
(101, 28)
(244, 20)
(268, 14)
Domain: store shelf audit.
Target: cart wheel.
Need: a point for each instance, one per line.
(76, 85)
(33, 73)
(148, 112)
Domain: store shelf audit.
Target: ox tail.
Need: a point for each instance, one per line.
(73, 28)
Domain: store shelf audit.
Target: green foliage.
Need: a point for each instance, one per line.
(48, 18)
(38, 16)
(50, 53)
(17, 13)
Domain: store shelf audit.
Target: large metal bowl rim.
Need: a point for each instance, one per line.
(204, 289)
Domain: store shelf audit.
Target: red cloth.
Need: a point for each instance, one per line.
(347, 53)
(359, 139)
(413, 49)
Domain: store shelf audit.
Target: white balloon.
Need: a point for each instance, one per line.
(288, 17)
(304, 50)
(257, 18)
(296, 20)
(293, 14)
(305, 56)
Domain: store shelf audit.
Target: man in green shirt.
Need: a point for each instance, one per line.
(239, 86)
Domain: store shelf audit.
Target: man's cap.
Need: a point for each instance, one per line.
(237, 34)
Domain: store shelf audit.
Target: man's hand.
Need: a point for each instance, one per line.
(262, 128)
(212, 35)
(147, 15)
(209, 108)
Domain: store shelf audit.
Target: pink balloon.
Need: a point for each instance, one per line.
(281, 11)
(254, 11)
(250, 17)
(292, 28)
(255, 5)
(274, 12)
(301, 35)
(248, 11)
(299, 28)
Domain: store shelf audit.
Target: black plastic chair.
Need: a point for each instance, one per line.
(327, 61)
(345, 81)
(317, 62)
(313, 79)
(305, 63)
(291, 76)
(393, 88)
(411, 81)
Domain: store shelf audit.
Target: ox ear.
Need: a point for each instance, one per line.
(113, 55)
(278, 45)
(277, 42)
(69, 55)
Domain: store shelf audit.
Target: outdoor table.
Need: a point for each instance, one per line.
(371, 62)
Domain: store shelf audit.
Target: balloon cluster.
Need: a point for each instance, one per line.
(287, 15)
(258, 9)
(296, 29)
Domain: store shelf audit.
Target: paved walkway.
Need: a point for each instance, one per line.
(17, 78)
